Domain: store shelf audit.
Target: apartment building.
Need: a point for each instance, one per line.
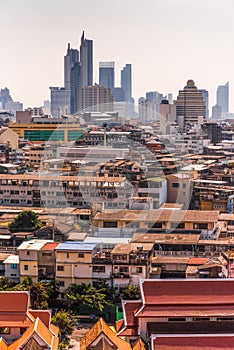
(34, 190)
(12, 270)
(166, 219)
(29, 259)
(74, 263)
(130, 263)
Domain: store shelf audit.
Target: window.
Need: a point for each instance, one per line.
(13, 266)
(184, 185)
(80, 255)
(155, 225)
(25, 267)
(139, 269)
(60, 268)
(175, 184)
(28, 253)
(61, 283)
(46, 254)
(98, 268)
(177, 225)
(201, 226)
(110, 224)
(67, 255)
(123, 269)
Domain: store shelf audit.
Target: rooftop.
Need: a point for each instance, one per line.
(77, 246)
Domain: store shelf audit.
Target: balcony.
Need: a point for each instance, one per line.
(102, 260)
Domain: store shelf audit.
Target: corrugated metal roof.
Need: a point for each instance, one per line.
(79, 246)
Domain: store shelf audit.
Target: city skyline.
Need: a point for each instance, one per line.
(151, 43)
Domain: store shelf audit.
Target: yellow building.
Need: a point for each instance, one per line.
(74, 263)
(28, 258)
(48, 131)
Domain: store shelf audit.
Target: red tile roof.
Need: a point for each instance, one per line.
(188, 292)
(44, 315)
(130, 322)
(191, 342)
(14, 301)
(50, 246)
(186, 311)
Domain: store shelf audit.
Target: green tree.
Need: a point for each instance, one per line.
(131, 293)
(66, 324)
(39, 296)
(87, 295)
(6, 284)
(27, 220)
(52, 289)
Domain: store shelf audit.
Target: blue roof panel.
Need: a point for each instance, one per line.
(79, 246)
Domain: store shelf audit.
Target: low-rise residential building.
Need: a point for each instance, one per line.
(74, 263)
(130, 263)
(29, 259)
(12, 270)
(166, 219)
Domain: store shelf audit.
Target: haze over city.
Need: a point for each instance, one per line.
(167, 43)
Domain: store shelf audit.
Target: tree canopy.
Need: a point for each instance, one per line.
(131, 293)
(96, 297)
(26, 220)
(66, 324)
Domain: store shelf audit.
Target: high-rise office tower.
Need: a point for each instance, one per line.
(70, 59)
(217, 112)
(86, 61)
(147, 110)
(107, 74)
(205, 95)
(190, 104)
(95, 99)
(155, 98)
(78, 70)
(60, 101)
(223, 97)
(5, 97)
(126, 82)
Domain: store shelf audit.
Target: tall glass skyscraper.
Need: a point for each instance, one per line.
(223, 97)
(126, 82)
(78, 70)
(86, 61)
(107, 74)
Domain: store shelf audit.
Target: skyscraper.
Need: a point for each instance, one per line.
(126, 82)
(205, 95)
(107, 74)
(86, 61)
(70, 59)
(155, 98)
(5, 97)
(60, 100)
(190, 104)
(95, 99)
(223, 97)
(78, 70)
(72, 76)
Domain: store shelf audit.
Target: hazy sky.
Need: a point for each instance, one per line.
(167, 42)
